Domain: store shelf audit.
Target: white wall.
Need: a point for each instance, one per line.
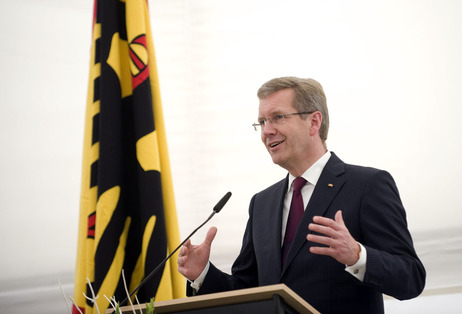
(390, 70)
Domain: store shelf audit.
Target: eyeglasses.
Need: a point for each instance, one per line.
(277, 119)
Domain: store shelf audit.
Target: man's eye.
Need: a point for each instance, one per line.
(278, 117)
(262, 121)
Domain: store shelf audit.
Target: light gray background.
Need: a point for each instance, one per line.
(391, 71)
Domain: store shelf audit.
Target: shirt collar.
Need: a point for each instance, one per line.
(313, 173)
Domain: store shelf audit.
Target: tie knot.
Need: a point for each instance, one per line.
(298, 184)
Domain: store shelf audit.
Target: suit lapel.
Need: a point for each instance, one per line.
(274, 229)
(327, 187)
(266, 231)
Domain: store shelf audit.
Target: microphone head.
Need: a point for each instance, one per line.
(222, 202)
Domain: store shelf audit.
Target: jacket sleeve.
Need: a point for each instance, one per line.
(393, 266)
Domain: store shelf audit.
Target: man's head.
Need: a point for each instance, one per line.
(309, 96)
(294, 119)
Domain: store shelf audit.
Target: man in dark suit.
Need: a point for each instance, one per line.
(350, 243)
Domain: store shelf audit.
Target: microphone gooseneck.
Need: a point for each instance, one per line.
(216, 210)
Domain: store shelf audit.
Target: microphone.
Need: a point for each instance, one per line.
(216, 210)
(221, 203)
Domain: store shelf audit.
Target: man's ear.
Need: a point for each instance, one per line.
(316, 120)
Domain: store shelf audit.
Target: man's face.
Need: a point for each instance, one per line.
(289, 142)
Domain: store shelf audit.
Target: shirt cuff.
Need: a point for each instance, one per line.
(196, 284)
(358, 270)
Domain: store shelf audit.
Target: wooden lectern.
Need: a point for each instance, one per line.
(268, 299)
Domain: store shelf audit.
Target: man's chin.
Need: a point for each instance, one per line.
(277, 160)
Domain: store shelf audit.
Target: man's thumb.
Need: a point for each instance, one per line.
(210, 235)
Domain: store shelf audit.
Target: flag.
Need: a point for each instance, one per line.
(128, 221)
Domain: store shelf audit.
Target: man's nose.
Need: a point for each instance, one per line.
(268, 129)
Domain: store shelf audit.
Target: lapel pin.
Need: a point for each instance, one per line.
(330, 185)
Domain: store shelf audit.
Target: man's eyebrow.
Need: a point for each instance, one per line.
(275, 113)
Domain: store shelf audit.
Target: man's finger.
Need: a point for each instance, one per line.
(339, 217)
(321, 250)
(321, 229)
(182, 260)
(320, 239)
(325, 222)
(210, 235)
(187, 244)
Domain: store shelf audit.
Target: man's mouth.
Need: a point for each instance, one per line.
(272, 145)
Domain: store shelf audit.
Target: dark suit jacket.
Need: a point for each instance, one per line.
(373, 213)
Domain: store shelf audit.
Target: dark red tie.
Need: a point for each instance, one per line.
(295, 215)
